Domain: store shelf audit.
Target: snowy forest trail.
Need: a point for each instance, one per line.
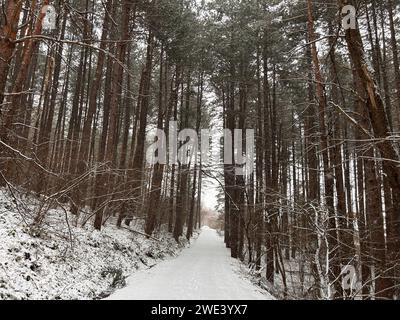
(205, 271)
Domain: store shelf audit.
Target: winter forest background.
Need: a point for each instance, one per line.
(81, 209)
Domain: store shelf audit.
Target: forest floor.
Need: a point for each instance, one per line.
(63, 260)
(204, 271)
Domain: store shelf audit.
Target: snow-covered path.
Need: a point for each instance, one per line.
(204, 271)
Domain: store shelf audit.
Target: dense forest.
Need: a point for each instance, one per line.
(83, 83)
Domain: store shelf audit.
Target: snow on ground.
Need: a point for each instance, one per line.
(68, 263)
(205, 271)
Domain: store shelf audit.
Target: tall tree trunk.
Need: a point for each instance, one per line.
(377, 115)
(83, 160)
(158, 171)
(183, 175)
(116, 88)
(144, 97)
(334, 272)
(196, 172)
(8, 34)
(7, 127)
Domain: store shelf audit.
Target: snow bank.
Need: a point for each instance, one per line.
(67, 262)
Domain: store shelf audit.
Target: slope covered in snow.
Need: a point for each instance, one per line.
(63, 261)
(205, 271)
